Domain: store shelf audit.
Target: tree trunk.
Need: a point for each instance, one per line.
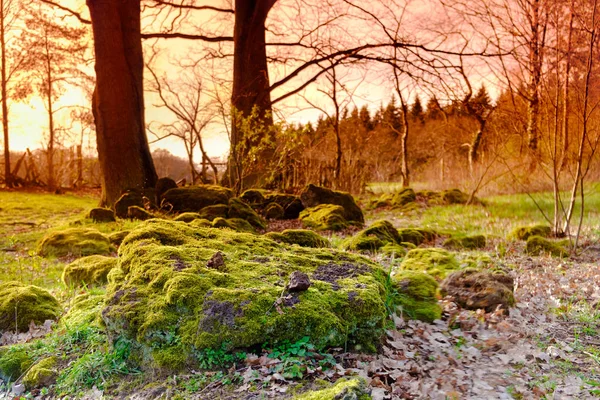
(118, 105)
(7, 175)
(250, 87)
(52, 139)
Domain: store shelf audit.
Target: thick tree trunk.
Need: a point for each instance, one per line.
(7, 175)
(123, 150)
(250, 88)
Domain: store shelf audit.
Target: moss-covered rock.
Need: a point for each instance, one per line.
(410, 235)
(301, 237)
(393, 250)
(212, 212)
(74, 241)
(403, 197)
(416, 295)
(372, 238)
(254, 197)
(138, 213)
(313, 196)
(525, 232)
(454, 196)
(20, 304)
(116, 238)
(171, 302)
(90, 270)
(42, 373)
(195, 198)
(472, 242)
(343, 389)
(128, 199)
(326, 217)
(473, 289)
(274, 211)
(292, 205)
(102, 215)
(436, 262)
(236, 224)
(85, 309)
(239, 209)
(537, 246)
(14, 361)
(188, 217)
(385, 200)
(162, 186)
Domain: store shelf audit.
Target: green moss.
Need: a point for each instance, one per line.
(91, 270)
(20, 304)
(187, 217)
(403, 197)
(429, 234)
(385, 200)
(195, 198)
(410, 235)
(454, 196)
(236, 224)
(274, 211)
(313, 195)
(343, 389)
(325, 217)
(525, 232)
(14, 361)
(239, 209)
(436, 262)
(301, 237)
(467, 242)
(116, 238)
(476, 260)
(537, 245)
(170, 299)
(43, 373)
(374, 237)
(254, 197)
(391, 249)
(416, 295)
(84, 309)
(74, 241)
(212, 212)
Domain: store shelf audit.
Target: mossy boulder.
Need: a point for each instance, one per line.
(403, 197)
(436, 262)
(102, 215)
(372, 238)
(162, 186)
(236, 224)
(21, 304)
(42, 373)
(274, 211)
(471, 242)
(416, 295)
(292, 205)
(410, 235)
(525, 232)
(454, 196)
(212, 212)
(188, 217)
(301, 237)
(90, 270)
(116, 238)
(74, 241)
(538, 246)
(313, 196)
(173, 303)
(14, 361)
(396, 251)
(239, 209)
(138, 213)
(343, 389)
(195, 198)
(473, 289)
(254, 197)
(325, 217)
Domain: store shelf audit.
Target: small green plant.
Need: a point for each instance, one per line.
(218, 358)
(296, 358)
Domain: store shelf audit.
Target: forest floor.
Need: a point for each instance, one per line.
(548, 347)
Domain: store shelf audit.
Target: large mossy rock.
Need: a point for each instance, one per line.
(21, 304)
(195, 198)
(91, 270)
(525, 232)
(183, 289)
(42, 373)
(416, 295)
(74, 241)
(301, 237)
(436, 262)
(373, 238)
(14, 361)
(473, 289)
(539, 246)
(313, 196)
(326, 217)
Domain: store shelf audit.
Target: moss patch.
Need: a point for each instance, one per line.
(409, 235)
(343, 389)
(171, 302)
(525, 232)
(236, 224)
(14, 361)
(436, 262)
(91, 270)
(537, 246)
(301, 237)
(374, 237)
(43, 373)
(274, 211)
(454, 196)
(403, 197)
(74, 241)
(84, 309)
(313, 195)
(20, 304)
(239, 209)
(116, 238)
(472, 242)
(188, 217)
(416, 295)
(325, 217)
(254, 197)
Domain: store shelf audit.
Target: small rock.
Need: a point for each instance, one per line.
(18, 390)
(139, 213)
(216, 261)
(299, 282)
(102, 215)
